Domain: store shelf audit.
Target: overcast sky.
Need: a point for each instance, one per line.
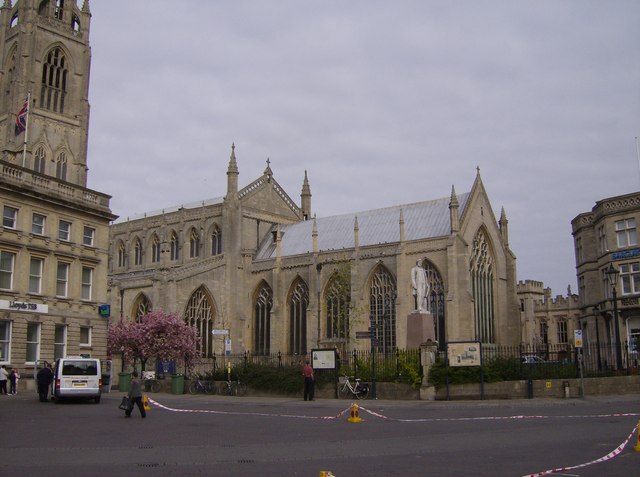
(382, 102)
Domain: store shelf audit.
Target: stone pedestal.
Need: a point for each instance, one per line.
(420, 329)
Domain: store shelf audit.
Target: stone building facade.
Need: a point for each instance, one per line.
(277, 278)
(55, 231)
(606, 240)
(547, 321)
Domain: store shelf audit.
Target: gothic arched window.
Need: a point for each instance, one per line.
(194, 244)
(40, 160)
(436, 300)
(174, 247)
(337, 299)
(199, 315)
(262, 321)
(155, 249)
(121, 254)
(482, 277)
(382, 306)
(141, 307)
(54, 81)
(216, 241)
(61, 166)
(298, 303)
(137, 252)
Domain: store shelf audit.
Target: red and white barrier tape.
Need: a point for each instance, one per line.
(609, 456)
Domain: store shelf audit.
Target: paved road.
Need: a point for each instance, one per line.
(232, 436)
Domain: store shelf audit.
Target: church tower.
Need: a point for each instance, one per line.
(44, 47)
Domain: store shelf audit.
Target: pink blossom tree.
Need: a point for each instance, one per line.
(158, 335)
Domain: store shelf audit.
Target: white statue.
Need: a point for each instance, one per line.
(420, 287)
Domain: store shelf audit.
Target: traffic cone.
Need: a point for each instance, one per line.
(326, 473)
(637, 446)
(354, 417)
(145, 402)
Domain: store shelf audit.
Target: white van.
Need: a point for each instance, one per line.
(77, 377)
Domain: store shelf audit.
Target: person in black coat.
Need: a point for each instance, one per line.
(44, 379)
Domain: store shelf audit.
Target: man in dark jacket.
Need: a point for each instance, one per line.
(135, 396)
(44, 379)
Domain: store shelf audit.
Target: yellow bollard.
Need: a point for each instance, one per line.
(637, 446)
(326, 473)
(145, 402)
(354, 417)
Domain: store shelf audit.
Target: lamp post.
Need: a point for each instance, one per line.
(612, 273)
(596, 312)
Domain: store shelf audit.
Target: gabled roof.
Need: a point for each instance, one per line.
(422, 220)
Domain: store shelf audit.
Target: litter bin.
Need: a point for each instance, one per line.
(124, 382)
(177, 384)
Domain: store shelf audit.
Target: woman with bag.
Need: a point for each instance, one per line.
(135, 396)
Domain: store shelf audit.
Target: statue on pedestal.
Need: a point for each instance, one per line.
(420, 287)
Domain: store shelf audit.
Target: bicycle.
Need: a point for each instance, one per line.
(359, 390)
(149, 382)
(198, 386)
(236, 388)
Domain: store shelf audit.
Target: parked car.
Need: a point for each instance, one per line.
(532, 360)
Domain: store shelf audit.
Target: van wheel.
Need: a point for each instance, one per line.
(97, 400)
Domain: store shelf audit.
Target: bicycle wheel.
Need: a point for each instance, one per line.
(362, 391)
(344, 391)
(209, 387)
(193, 387)
(155, 386)
(241, 389)
(230, 388)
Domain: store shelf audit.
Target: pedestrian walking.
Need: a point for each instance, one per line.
(14, 376)
(135, 396)
(307, 373)
(44, 379)
(3, 379)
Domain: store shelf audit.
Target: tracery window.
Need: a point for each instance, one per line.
(199, 315)
(482, 283)
(54, 81)
(338, 299)
(40, 160)
(382, 307)
(142, 307)
(298, 303)
(436, 301)
(174, 246)
(262, 321)
(216, 241)
(61, 166)
(194, 244)
(155, 249)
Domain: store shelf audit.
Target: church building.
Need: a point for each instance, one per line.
(256, 272)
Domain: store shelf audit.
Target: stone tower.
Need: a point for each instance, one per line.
(46, 56)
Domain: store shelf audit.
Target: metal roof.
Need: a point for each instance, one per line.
(379, 226)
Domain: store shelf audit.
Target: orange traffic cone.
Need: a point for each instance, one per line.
(145, 402)
(354, 417)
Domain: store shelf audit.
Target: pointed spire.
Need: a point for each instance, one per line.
(401, 225)
(232, 175)
(454, 218)
(7, 4)
(85, 7)
(314, 234)
(356, 233)
(305, 198)
(233, 165)
(504, 227)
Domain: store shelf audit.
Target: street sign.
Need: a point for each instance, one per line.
(219, 332)
(363, 335)
(577, 338)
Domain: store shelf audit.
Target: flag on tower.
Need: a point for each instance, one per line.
(21, 118)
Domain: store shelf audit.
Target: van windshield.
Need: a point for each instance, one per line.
(79, 368)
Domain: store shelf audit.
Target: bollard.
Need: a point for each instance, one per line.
(530, 388)
(326, 473)
(354, 417)
(567, 393)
